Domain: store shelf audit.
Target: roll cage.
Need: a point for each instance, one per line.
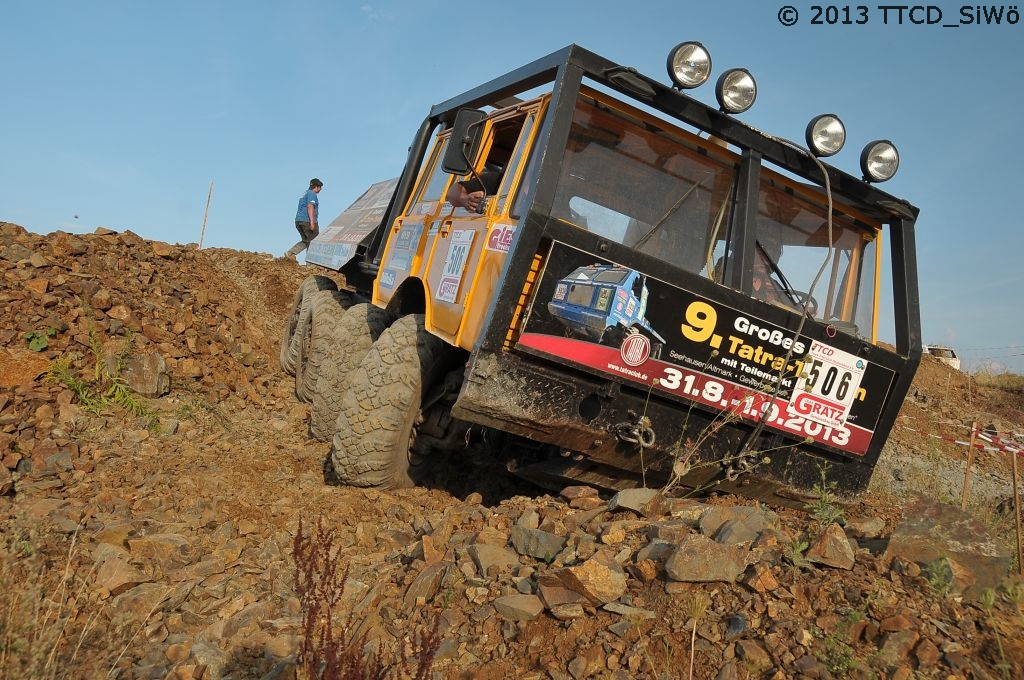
(568, 72)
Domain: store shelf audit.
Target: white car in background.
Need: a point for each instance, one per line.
(945, 354)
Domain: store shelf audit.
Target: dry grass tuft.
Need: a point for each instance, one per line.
(1010, 382)
(330, 649)
(49, 615)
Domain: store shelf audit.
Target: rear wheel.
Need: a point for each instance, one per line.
(614, 336)
(381, 407)
(320, 342)
(298, 319)
(358, 329)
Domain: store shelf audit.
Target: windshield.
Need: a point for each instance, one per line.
(656, 190)
(793, 237)
(615, 276)
(670, 194)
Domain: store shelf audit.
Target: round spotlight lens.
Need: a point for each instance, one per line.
(879, 161)
(689, 65)
(825, 135)
(736, 90)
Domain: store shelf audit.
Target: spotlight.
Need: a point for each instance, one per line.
(736, 90)
(879, 161)
(825, 134)
(689, 65)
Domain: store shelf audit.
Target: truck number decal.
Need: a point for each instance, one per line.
(826, 388)
(455, 265)
(752, 407)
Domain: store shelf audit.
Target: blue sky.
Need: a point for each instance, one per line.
(120, 114)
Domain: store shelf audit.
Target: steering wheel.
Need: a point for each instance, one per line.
(805, 301)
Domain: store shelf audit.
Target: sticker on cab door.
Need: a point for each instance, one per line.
(455, 265)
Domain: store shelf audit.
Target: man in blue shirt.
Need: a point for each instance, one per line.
(306, 217)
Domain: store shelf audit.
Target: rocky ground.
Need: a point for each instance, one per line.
(155, 536)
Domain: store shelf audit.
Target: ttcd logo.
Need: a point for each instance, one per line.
(635, 349)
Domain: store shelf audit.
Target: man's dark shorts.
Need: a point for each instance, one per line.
(306, 231)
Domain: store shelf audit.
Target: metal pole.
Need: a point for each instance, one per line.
(967, 470)
(1016, 513)
(202, 234)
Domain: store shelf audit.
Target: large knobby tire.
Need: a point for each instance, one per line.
(614, 336)
(381, 407)
(320, 341)
(299, 317)
(358, 329)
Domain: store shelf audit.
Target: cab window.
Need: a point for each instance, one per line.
(836, 267)
(648, 186)
(503, 151)
(433, 183)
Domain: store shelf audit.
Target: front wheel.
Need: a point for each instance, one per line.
(613, 336)
(358, 329)
(381, 407)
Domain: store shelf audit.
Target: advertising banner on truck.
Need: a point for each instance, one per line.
(611, 319)
(337, 243)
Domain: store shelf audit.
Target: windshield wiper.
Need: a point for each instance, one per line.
(671, 211)
(786, 287)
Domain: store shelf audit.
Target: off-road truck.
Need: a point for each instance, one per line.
(604, 303)
(769, 281)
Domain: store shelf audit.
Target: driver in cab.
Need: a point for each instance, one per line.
(470, 193)
(770, 284)
(764, 286)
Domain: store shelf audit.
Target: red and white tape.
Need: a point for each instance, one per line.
(994, 441)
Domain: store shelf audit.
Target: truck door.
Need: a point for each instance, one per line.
(404, 254)
(466, 249)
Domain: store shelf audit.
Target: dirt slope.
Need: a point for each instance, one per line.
(160, 544)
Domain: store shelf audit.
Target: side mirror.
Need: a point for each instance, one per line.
(464, 144)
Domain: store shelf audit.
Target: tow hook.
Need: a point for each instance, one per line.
(637, 430)
(741, 465)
